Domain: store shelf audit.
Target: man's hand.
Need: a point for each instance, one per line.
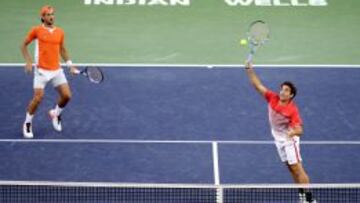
(28, 68)
(74, 70)
(296, 131)
(291, 133)
(248, 65)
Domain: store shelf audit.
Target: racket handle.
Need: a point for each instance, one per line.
(251, 53)
(250, 58)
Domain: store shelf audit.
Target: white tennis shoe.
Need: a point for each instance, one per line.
(27, 131)
(56, 120)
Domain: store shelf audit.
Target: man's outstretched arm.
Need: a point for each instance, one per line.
(255, 81)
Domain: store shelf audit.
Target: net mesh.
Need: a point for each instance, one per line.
(126, 193)
(282, 195)
(100, 194)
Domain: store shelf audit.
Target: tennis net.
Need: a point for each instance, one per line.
(83, 192)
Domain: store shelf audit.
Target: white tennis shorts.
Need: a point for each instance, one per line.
(289, 150)
(43, 77)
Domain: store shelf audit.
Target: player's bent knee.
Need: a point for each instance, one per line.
(65, 92)
(67, 96)
(38, 97)
(296, 169)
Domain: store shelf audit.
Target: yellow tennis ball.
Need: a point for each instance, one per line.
(243, 42)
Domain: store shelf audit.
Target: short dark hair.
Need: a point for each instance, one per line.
(293, 89)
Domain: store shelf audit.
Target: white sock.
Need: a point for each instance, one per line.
(28, 118)
(58, 110)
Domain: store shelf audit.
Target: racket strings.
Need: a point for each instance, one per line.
(94, 74)
(258, 33)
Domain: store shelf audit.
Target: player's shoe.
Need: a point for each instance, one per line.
(27, 130)
(56, 120)
(309, 198)
(302, 199)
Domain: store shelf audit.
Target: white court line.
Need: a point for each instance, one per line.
(216, 163)
(141, 65)
(135, 141)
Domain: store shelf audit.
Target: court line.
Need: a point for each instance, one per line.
(216, 163)
(141, 65)
(135, 141)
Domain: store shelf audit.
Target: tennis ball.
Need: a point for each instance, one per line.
(243, 42)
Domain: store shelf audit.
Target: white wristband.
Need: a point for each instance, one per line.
(69, 63)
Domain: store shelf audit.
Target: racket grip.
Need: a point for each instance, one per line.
(251, 53)
(250, 58)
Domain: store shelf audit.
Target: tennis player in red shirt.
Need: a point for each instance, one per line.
(286, 127)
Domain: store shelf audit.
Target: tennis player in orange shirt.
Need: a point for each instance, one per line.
(49, 47)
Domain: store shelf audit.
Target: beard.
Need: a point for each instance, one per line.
(51, 22)
(283, 98)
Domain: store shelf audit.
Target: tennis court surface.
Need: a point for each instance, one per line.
(178, 125)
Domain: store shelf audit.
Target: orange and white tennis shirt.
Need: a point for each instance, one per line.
(47, 48)
(281, 117)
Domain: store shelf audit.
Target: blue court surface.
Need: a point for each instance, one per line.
(159, 124)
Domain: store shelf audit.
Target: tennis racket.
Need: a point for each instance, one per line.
(258, 34)
(93, 74)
